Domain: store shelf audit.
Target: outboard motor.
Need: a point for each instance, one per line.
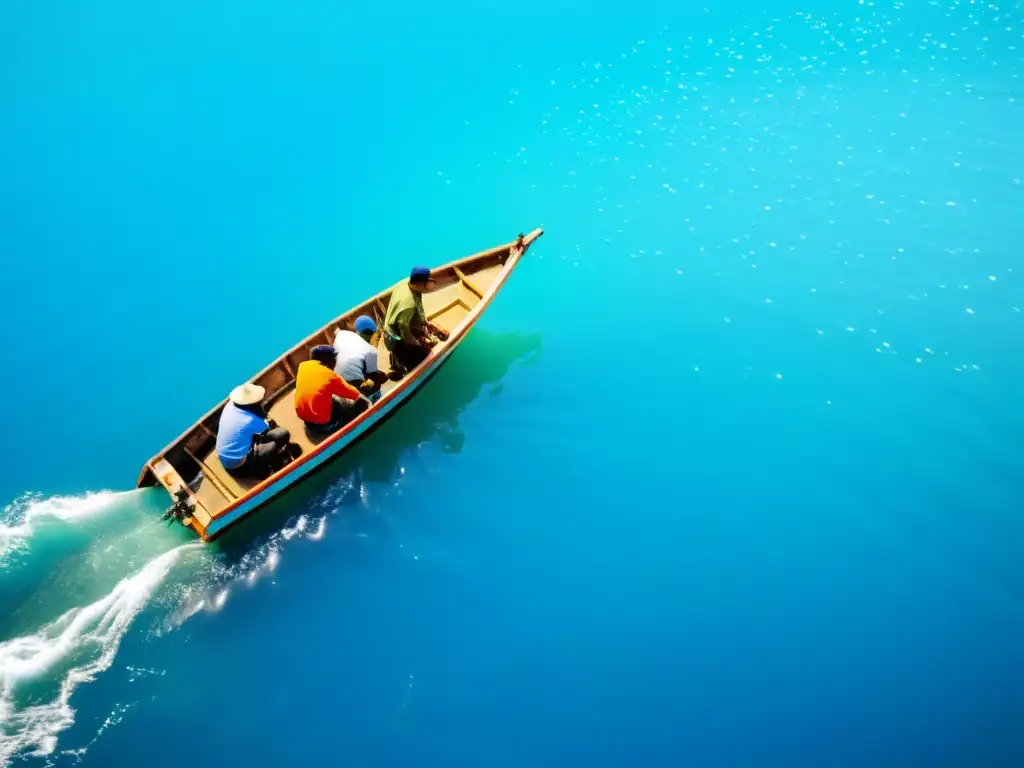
(181, 509)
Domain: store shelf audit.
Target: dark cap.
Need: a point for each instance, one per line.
(323, 353)
(420, 275)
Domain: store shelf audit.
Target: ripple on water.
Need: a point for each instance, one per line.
(855, 157)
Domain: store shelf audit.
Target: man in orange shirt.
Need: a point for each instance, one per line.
(324, 400)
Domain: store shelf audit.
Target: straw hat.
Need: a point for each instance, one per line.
(247, 394)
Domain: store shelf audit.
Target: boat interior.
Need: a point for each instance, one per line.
(192, 461)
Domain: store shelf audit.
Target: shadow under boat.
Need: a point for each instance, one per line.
(483, 358)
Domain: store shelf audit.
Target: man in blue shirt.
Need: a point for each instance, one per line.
(248, 445)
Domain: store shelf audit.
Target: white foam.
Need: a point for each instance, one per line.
(78, 645)
(32, 511)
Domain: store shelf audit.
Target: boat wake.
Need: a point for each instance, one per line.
(40, 671)
(33, 514)
(75, 571)
(78, 572)
(262, 555)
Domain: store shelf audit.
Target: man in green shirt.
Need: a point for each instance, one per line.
(408, 335)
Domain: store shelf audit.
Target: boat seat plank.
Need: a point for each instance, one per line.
(212, 498)
(466, 281)
(450, 318)
(283, 412)
(235, 485)
(468, 296)
(215, 472)
(441, 298)
(432, 317)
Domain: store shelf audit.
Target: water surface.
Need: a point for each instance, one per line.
(727, 475)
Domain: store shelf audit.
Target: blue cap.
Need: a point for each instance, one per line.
(419, 274)
(365, 324)
(322, 353)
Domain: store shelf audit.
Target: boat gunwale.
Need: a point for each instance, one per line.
(523, 242)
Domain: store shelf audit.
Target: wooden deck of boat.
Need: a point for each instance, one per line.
(446, 306)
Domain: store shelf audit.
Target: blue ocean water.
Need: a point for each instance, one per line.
(728, 474)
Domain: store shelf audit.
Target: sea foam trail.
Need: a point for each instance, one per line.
(28, 515)
(69, 651)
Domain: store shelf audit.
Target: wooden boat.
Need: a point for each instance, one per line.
(208, 500)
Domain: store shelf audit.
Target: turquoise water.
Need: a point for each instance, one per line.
(727, 475)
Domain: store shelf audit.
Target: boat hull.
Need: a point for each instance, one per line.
(211, 500)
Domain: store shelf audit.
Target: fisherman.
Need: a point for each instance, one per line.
(248, 443)
(357, 358)
(408, 335)
(324, 400)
